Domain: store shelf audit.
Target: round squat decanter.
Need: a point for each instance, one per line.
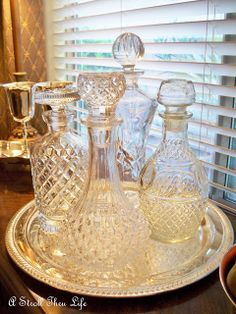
(136, 110)
(104, 232)
(58, 160)
(173, 183)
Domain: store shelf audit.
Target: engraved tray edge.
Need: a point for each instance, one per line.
(106, 292)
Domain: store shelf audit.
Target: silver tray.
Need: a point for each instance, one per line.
(163, 267)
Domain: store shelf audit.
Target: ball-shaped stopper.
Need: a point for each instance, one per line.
(176, 92)
(127, 50)
(176, 95)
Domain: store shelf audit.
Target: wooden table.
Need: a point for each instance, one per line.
(205, 296)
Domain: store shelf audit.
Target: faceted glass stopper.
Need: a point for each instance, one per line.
(55, 93)
(176, 93)
(127, 50)
(101, 91)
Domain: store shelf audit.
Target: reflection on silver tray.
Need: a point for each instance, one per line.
(11, 148)
(162, 267)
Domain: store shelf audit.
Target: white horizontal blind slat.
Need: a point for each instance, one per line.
(105, 7)
(206, 146)
(196, 67)
(219, 168)
(222, 187)
(219, 48)
(220, 27)
(200, 143)
(145, 16)
(224, 206)
(216, 129)
(219, 110)
(219, 90)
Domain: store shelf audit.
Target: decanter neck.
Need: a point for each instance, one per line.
(176, 128)
(131, 78)
(175, 125)
(58, 120)
(102, 144)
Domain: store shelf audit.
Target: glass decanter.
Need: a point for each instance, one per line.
(58, 160)
(103, 232)
(136, 110)
(173, 183)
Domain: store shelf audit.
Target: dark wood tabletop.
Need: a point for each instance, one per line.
(203, 297)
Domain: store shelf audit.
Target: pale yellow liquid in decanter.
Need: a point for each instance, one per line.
(173, 183)
(186, 213)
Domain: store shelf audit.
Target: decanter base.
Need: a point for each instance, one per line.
(155, 236)
(49, 225)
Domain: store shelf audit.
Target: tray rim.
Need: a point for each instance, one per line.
(66, 286)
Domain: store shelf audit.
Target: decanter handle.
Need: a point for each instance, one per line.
(147, 176)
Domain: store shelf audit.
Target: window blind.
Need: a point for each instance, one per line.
(190, 39)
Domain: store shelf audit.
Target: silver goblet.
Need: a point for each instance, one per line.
(19, 96)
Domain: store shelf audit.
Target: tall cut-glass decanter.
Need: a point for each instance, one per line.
(103, 232)
(58, 160)
(136, 110)
(174, 187)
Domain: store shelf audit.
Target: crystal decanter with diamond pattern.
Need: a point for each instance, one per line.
(58, 160)
(136, 110)
(103, 232)
(174, 187)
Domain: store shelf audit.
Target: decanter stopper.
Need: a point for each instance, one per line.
(176, 95)
(56, 94)
(127, 50)
(101, 91)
